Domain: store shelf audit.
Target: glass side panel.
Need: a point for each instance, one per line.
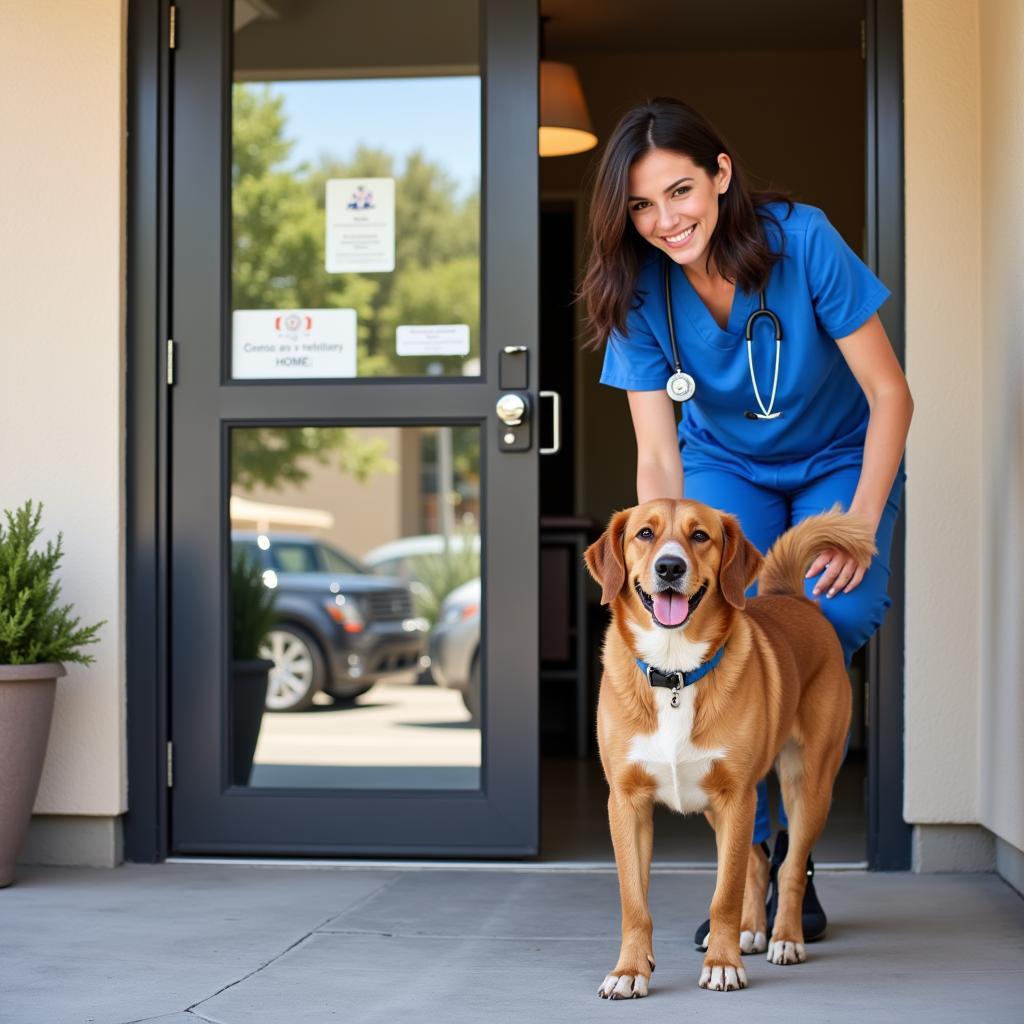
(355, 576)
(355, 191)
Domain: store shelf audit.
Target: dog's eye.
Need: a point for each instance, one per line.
(700, 536)
(646, 534)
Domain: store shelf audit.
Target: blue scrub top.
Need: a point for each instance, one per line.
(820, 290)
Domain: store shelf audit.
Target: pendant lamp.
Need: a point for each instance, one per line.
(564, 119)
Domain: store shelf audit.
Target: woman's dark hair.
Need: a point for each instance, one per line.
(738, 248)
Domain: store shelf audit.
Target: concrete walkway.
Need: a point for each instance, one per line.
(185, 943)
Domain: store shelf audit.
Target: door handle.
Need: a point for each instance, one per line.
(511, 409)
(556, 422)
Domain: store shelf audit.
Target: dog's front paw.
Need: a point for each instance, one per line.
(623, 986)
(722, 978)
(782, 951)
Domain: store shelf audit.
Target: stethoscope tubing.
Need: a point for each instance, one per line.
(761, 311)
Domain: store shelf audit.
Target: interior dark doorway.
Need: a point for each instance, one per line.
(825, 127)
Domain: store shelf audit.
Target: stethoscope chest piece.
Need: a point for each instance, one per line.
(680, 386)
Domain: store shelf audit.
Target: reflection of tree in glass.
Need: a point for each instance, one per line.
(274, 456)
(465, 467)
(279, 228)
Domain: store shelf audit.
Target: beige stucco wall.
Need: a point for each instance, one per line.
(964, 109)
(61, 393)
(1001, 722)
(944, 513)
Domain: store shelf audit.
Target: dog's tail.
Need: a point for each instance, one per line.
(791, 555)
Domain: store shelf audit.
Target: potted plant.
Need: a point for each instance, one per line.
(252, 616)
(36, 637)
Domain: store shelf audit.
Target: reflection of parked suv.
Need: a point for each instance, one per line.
(339, 626)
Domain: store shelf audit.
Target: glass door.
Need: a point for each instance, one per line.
(353, 428)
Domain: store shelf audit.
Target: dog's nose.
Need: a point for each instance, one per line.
(669, 568)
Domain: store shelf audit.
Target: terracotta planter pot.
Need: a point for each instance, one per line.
(26, 707)
(248, 699)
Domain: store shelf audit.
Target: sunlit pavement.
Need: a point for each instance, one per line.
(393, 727)
(229, 944)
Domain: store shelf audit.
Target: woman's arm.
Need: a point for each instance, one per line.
(872, 361)
(659, 469)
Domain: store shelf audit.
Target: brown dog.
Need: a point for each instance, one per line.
(769, 686)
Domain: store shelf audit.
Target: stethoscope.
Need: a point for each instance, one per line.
(681, 387)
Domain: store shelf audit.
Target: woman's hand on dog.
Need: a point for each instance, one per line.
(840, 571)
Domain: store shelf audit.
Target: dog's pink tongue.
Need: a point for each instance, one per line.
(670, 608)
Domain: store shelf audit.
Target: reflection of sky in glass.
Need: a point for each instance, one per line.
(438, 116)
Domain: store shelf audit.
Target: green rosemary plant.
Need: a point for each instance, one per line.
(33, 627)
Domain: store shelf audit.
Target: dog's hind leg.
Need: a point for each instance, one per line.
(754, 920)
(806, 774)
(631, 817)
(734, 824)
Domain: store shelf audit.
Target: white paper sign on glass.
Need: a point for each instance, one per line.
(432, 340)
(360, 225)
(271, 343)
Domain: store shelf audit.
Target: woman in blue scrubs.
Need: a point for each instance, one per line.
(669, 189)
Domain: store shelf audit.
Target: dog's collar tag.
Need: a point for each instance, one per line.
(675, 680)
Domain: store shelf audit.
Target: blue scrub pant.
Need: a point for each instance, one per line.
(768, 507)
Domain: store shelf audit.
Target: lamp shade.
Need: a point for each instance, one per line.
(564, 120)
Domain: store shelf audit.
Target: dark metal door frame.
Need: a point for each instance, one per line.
(149, 69)
(149, 79)
(887, 833)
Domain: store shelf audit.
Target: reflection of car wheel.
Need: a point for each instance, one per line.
(299, 672)
(471, 695)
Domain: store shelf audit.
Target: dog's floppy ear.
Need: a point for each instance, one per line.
(741, 562)
(605, 559)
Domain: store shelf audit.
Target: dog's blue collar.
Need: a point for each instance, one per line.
(674, 680)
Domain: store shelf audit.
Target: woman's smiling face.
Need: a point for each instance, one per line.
(673, 203)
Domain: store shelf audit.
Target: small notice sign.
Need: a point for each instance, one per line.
(432, 340)
(360, 225)
(270, 343)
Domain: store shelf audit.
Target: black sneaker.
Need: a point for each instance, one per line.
(812, 914)
(700, 938)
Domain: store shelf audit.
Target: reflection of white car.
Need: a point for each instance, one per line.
(455, 645)
(398, 557)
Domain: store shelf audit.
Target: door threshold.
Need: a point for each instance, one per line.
(595, 866)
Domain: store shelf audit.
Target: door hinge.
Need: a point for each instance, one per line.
(170, 764)
(170, 361)
(863, 40)
(172, 27)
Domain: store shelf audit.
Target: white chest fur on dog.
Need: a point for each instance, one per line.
(668, 754)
